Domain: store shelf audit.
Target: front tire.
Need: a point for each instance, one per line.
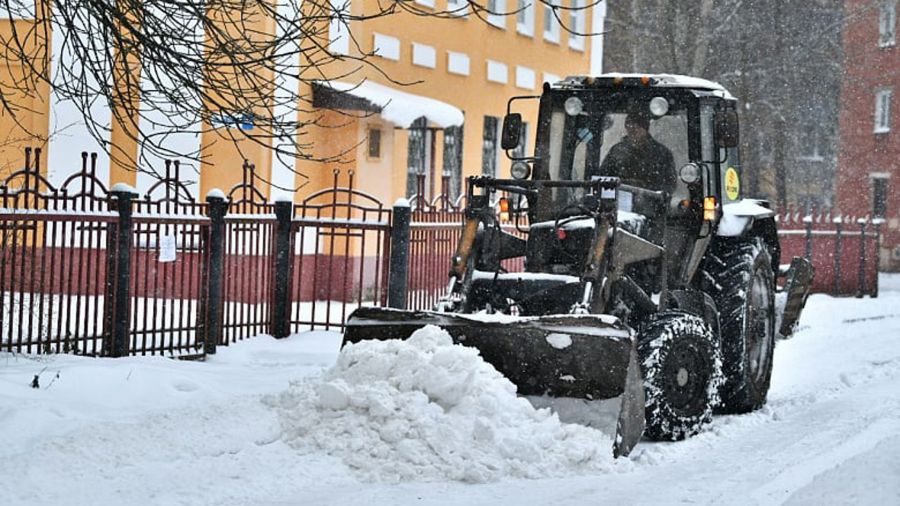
(681, 365)
(743, 284)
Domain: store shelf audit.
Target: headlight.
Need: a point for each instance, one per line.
(690, 173)
(574, 106)
(659, 106)
(520, 170)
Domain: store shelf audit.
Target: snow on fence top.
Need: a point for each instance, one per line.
(792, 217)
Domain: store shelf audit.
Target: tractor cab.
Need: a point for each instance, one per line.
(670, 140)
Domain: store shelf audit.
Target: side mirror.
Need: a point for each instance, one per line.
(727, 130)
(512, 129)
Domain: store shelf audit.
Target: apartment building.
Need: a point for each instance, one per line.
(868, 173)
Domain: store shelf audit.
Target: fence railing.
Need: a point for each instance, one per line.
(844, 249)
(107, 272)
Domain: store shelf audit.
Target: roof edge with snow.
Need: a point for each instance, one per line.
(398, 107)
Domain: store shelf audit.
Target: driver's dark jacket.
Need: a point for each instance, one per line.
(649, 165)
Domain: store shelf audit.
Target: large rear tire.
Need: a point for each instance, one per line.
(681, 364)
(742, 282)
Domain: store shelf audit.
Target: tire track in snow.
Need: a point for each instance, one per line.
(795, 478)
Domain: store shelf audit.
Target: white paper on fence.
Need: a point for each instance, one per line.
(626, 201)
(167, 248)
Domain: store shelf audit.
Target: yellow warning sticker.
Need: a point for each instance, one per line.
(732, 184)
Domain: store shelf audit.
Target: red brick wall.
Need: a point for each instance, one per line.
(868, 68)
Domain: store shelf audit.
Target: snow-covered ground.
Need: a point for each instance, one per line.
(291, 422)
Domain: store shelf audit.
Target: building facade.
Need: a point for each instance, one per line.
(431, 104)
(868, 176)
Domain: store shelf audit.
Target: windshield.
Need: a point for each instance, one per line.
(617, 139)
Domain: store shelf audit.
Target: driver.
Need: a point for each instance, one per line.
(639, 159)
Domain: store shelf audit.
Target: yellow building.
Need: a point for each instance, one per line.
(463, 69)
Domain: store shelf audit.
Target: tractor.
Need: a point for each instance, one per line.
(648, 278)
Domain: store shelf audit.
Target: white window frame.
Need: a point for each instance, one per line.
(525, 78)
(339, 38)
(458, 8)
(457, 63)
(498, 20)
(497, 72)
(526, 10)
(551, 33)
(883, 111)
(22, 11)
(424, 55)
(887, 23)
(577, 23)
(886, 178)
(385, 46)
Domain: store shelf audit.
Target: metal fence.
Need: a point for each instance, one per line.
(843, 248)
(106, 272)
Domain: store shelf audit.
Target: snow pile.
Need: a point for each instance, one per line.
(426, 409)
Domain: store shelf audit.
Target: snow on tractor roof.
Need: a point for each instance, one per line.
(656, 80)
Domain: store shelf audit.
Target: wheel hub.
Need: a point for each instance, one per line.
(687, 376)
(682, 377)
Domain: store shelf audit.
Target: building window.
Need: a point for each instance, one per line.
(453, 151)
(811, 141)
(386, 46)
(457, 63)
(551, 24)
(338, 25)
(577, 25)
(424, 55)
(416, 155)
(374, 143)
(489, 147)
(497, 72)
(887, 21)
(525, 17)
(458, 7)
(883, 111)
(879, 196)
(496, 13)
(525, 78)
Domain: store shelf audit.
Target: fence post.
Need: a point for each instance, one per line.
(877, 222)
(861, 285)
(838, 226)
(120, 286)
(281, 304)
(217, 207)
(808, 224)
(399, 262)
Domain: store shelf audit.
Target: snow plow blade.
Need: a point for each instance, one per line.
(797, 283)
(587, 357)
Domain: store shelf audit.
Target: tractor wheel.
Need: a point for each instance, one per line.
(741, 280)
(681, 365)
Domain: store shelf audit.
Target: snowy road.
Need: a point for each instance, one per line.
(155, 431)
